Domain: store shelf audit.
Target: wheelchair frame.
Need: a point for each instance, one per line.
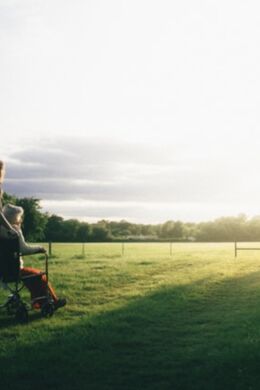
(10, 274)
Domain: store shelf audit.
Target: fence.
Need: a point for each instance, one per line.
(122, 247)
(84, 244)
(244, 248)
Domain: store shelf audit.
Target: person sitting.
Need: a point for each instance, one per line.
(36, 285)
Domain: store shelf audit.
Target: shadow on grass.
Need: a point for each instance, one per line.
(190, 337)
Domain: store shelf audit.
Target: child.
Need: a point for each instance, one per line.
(36, 285)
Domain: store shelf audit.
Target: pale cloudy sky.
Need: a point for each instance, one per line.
(146, 110)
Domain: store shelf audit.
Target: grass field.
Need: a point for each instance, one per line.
(145, 320)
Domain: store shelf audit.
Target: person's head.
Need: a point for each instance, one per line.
(13, 214)
(2, 171)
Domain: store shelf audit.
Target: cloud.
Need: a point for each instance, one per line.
(124, 176)
(78, 157)
(106, 170)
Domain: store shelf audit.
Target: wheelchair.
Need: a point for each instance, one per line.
(13, 281)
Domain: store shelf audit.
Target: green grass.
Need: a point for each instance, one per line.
(145, 320)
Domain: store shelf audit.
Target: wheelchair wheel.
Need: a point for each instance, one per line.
(10, 310)
(47, 309)
(21, 314)
(13, 304)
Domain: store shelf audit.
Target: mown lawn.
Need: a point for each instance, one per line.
(145, 320)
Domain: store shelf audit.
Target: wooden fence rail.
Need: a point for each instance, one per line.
(245, 248)
(83, 244)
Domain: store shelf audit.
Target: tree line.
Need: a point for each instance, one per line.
(39, 227)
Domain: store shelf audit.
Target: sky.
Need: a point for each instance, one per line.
(143, 110)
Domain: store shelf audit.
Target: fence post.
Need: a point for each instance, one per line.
(50, 249)
(171, 248)
(235, 249)
(123, 248)
(83, 249)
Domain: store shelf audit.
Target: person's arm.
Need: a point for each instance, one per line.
(6, 224)
(25, 248)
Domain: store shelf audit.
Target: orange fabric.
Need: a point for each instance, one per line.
(37, 285)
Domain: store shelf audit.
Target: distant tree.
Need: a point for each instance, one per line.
(172, 230)
(84, 232)
(253, 229)
(147, 230)
(166, 229)
(135, 229)
(9, 198)
(177, 230)
(123, 228)
(101, 232)
(224, 229)
(53, 229)
(70, 230)
(114, 229)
